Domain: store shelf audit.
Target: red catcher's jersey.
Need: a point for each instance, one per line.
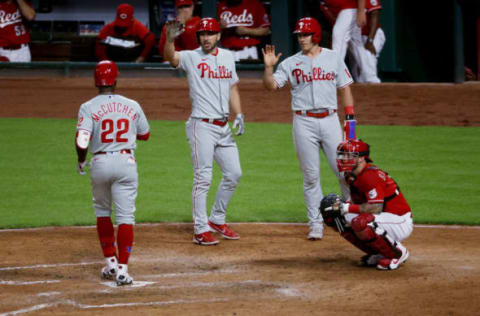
(373, 186)
(185, 41)
(12, 29)
(250, 13)
(370, 6)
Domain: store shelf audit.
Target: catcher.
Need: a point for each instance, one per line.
(377, 218)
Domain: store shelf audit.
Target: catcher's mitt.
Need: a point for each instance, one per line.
(330, 207)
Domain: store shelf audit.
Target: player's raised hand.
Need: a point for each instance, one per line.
(269, 57)
(174, 29)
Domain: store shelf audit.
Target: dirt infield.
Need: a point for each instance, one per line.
(272, 269)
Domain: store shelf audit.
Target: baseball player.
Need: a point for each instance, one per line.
(213, 90)
(243, 23)
(14, 33)
(188, 39)
(348, 17)
(377, 218)
(366, 51)
(316, 74)
(108, 125)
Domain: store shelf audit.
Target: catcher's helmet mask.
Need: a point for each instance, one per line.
(348, 153)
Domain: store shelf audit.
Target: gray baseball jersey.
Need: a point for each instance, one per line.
(114, 122)
(210, 78)
(313, 80)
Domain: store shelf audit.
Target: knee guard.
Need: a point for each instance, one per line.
(374, 236)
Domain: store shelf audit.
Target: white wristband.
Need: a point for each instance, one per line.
(345, 207)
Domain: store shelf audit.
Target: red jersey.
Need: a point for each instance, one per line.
(373, 185)
(370, 6)
(137, 33)
(13, 31)
(249, 13)
(186, 41)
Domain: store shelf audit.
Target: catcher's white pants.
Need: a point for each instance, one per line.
(397, 227)
(310, 135)
(210, 142)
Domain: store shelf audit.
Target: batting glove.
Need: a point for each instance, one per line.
(81, 166)
(240, 123)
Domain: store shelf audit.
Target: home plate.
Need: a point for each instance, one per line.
(134, 284)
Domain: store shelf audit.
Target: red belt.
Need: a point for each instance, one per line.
(13, 47)
(215, 122)
(123, 151)
(317, 115)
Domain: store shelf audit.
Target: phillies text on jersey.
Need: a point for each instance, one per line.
(312, 79)
(210, 78)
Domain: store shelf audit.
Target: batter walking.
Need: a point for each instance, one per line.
(111, 123)
(213, 91)
(315, 75)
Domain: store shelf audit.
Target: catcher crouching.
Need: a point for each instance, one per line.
(377, 218)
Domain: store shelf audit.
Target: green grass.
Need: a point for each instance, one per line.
(434, 167)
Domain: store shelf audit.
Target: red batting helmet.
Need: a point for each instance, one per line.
(208, 25)
(124, 15)
(106, 73)
(350, 149)
(309, 26)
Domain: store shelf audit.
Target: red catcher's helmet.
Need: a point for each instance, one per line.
(348, 151)
(309, 26)
(208, 25)
(106, 73)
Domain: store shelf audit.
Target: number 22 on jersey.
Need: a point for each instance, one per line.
(108, 126)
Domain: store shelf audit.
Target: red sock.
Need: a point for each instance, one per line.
(125, 242)
(106, 235)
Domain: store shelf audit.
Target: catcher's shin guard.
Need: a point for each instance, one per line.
(350, 236)
(375, 237)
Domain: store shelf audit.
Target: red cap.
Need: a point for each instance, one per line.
(106, 73)
(124, 15)
(179, 3)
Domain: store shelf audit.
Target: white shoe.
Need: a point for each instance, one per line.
(109, 271)
(316, 232)
(123, 278)
(392, 264)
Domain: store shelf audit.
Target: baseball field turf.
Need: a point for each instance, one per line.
(434, 166)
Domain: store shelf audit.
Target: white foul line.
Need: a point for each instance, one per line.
(85, 306)
(39, 266)
(27, 282)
